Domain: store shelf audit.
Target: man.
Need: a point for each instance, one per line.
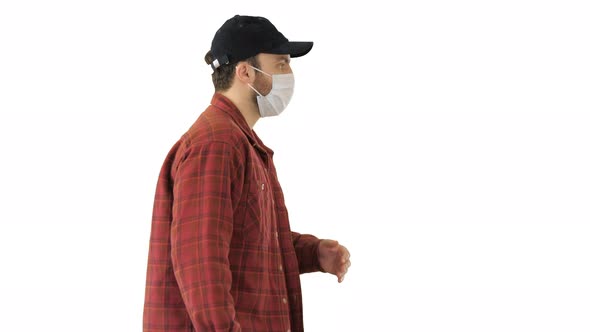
(222, 255)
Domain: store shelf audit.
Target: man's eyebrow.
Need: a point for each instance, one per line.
(285, 58)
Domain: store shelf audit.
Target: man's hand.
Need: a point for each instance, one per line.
(334, 258)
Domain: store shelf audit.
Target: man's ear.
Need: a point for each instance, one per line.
(244, 73)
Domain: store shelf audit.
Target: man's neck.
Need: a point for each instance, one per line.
(248, 108)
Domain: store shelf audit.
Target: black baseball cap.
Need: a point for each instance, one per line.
(242, 37)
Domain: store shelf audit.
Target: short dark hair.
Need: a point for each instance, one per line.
(223, 76)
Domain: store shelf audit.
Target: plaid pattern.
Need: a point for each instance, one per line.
(222, 256)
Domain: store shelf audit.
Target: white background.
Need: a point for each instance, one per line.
(445, 143)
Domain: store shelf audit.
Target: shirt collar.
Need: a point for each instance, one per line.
(225, 105)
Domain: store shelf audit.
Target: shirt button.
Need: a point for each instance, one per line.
(280, 267)
(277, 235)
(289, 330)
(284, 300)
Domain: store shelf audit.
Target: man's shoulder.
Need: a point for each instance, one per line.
(214, 126)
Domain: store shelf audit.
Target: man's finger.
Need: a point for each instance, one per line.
(332, 244)
(344, 267)
(344, 252)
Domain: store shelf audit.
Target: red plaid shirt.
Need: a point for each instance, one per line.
(222, 256)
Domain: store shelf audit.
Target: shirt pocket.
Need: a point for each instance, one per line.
(258, 223)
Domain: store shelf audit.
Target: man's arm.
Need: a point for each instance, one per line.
(306, 248)
(201, 233)
(321, 255)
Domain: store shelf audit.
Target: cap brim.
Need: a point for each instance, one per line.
(294, 49)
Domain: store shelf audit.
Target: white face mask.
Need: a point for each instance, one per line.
(275, 102)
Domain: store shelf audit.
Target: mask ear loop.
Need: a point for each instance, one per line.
(251, 87)
(260, 70)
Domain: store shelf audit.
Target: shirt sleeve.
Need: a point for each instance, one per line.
(201, 233)
(306, 248)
